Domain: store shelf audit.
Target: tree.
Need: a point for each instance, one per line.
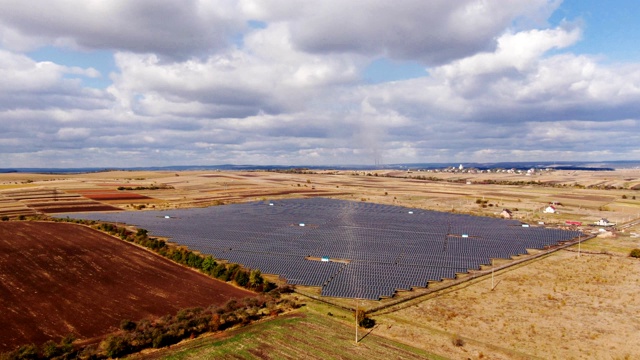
(142, 233)
(242, 278)
(232, 270)
(115, 346)
(255, 279)
(208, 264)
(219, 271)
(194, 260)
(127, 325)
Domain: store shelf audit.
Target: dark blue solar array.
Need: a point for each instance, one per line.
(374, 249)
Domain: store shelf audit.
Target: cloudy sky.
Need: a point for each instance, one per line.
(123, 83)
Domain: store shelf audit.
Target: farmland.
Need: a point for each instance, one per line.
(62, 278)
(559, 306)
(581, 195)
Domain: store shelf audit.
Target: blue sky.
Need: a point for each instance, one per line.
(293, 82)
(610, 28)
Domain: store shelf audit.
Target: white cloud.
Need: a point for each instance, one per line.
(515, 51)
(431, 31)
(169, 28)
(290, 92)
(266, 75)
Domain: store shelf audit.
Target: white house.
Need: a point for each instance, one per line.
(550, 209)
(604, 222)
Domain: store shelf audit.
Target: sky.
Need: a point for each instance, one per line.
(120, 83)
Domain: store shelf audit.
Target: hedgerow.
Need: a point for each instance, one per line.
(167, 330)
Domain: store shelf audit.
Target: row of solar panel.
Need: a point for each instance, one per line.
(389, 247)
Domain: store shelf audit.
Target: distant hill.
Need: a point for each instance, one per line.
(558, 165)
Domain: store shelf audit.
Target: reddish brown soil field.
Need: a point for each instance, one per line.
(67, 209)
(58, 278)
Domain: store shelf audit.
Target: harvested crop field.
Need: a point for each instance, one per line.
(31, 201)
(111, 195)
(59, 278)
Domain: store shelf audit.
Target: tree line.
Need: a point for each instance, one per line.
(135, 336)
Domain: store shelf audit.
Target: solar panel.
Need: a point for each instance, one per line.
(374, 249)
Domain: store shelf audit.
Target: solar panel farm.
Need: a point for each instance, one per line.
(428, 258)
(350, 249)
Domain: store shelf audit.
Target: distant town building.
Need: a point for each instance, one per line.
(550, 209)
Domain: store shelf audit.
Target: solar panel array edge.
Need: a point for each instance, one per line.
(397, 249)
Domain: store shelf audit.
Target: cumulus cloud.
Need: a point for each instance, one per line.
(431, 31)
(266, 76)
(38, 85)
(199, 85)
(168, 28)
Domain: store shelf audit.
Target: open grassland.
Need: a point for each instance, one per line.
(563, 306)
(307, 333)
(58, 279)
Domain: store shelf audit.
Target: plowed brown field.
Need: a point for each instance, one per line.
(59, 278)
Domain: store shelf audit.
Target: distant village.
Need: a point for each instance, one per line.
(463, 170)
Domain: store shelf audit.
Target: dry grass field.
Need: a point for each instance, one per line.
(561, 306)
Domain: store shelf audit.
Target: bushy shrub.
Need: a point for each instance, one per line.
(127, 325)
(635, 253)
(25, 352)
(116, 346)
(367, 323)
(457, 340)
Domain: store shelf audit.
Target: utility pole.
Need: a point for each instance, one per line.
(579, 242)
(491, 273)
(356, 322)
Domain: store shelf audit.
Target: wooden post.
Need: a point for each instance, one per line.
(356, 322)
(492, 274)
